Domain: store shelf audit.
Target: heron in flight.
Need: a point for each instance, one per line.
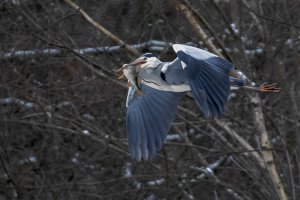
(155, 89)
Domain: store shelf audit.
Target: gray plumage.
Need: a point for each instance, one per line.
(147, 123)
(162, 84)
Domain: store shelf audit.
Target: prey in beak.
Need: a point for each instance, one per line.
(121, 72)
(131, 71)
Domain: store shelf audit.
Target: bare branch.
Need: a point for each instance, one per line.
(152, 45)
(103, 29)
(265, 143)
(192, 18)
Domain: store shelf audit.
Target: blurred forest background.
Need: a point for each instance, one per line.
(62, 110)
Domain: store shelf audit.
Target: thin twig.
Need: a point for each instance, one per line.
(241, 141)
(102, 28)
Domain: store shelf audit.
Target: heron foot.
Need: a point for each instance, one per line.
(266, 88)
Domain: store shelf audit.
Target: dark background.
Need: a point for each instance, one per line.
(62, 132)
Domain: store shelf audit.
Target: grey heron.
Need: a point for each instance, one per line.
(156, 87)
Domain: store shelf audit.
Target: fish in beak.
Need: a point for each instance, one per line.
(121, 72)
(131, 71)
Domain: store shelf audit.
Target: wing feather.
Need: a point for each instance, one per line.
(150, 132)
(154, 128)
(208, 78)
(148, 120)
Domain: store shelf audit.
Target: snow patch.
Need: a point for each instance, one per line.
(88, 116)
(234, 28)
(127, 170)
(172, 137)
(156, 182)
(86, 132)
(252, 52)
(10, 100)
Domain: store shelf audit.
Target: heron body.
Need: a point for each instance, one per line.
(163, 84)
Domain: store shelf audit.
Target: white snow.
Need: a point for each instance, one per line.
(86, 132)
(234, 28)
(32, 159)
(10, 100)
(64, 104)
(172, 137)
(127, 170)
(88, 116)
(75, 160)
(253, 51)
(29, 159)
(156, 182)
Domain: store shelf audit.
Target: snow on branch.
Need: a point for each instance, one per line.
(152, 45)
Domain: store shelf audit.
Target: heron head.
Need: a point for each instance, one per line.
(134, 67)
(131, 70)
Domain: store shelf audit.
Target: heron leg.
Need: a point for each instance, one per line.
(264, 88)
(238, 80)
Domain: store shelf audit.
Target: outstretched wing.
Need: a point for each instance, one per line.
(148, 121)
(207, 76)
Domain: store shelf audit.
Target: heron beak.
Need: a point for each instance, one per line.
(138, 61)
